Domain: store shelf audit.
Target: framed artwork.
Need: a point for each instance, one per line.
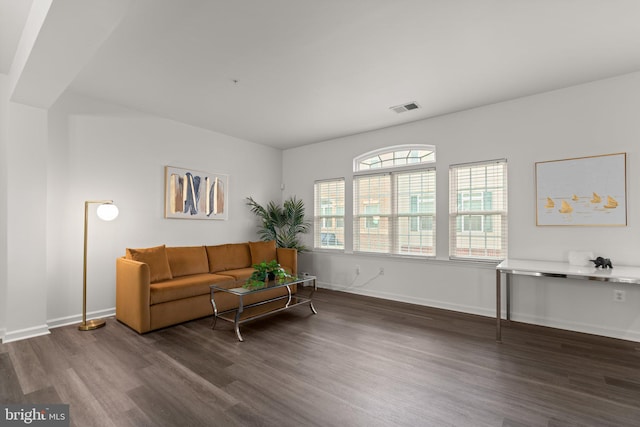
(587, 191)
(191, 194)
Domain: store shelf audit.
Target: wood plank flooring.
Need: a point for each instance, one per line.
(360, 362)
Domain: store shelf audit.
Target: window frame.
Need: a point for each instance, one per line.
(394, 243)
(425, 159)
(462, 210)
(321, 219)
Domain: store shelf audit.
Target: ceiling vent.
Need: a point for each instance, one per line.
(405, 107)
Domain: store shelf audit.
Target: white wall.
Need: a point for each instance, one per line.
(585, 120)
(26, 288)
(94, 150)
(4, 82)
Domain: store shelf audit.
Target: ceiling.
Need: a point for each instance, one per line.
(291, 72)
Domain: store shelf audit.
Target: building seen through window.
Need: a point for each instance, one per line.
(329, 214)
(478, 210)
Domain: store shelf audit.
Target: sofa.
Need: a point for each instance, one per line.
(163, 286)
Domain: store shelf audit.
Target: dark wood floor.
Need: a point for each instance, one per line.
(359, 362)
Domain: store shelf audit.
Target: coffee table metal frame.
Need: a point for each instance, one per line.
(244, 313)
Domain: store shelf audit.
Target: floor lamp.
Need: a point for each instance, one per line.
(107, 211)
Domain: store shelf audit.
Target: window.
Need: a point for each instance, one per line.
(372, 211)
(329, 214)
(394, 210)
(478, 210)
(416, 212)
(397, 156)
(372, 217)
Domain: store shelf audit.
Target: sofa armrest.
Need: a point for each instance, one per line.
(132, 294)
(288, 259)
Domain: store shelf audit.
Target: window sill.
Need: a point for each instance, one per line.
(488, 264)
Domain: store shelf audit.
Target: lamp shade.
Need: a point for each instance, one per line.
(107, 211)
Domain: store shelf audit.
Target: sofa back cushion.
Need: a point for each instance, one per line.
(263, 251)
(238, 256)
(156, 259)
(217, 256)
(228, 257)
(187, 260)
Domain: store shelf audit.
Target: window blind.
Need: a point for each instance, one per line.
(478, 210)
(329, 214)
(395, 212)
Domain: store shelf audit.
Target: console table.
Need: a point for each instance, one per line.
(562, 270)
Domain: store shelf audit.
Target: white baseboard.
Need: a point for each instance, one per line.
(411, 300)
(481, 311)
(22, 334)
(77, 318)
(577, 327)
(36, 331)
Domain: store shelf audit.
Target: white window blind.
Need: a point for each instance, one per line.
(478, 210)
(416, 212)
(329, 214)
(395, 213)
(372, 213)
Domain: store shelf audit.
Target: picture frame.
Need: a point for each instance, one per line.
(192, 194)
(582, 191)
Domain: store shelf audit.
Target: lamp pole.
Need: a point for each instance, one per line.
(94, 323)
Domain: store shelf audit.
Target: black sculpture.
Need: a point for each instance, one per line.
(602, 262)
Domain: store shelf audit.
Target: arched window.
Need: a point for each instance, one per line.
(395, 156)
(394, 201)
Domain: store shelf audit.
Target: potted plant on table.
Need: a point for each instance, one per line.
(264, 272)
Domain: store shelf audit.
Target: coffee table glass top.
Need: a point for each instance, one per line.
(264, 286)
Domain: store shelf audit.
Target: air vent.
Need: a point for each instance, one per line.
(405, 107)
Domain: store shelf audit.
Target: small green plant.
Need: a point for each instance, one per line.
(265, 271)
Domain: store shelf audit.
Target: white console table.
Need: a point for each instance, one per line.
(562, 270)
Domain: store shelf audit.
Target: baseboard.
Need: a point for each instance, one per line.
(534, 320)
(411, 300)
(77, 318)
(22, 334)
(577, 327)
(36, 331)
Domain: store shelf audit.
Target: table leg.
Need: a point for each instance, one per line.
(289, 295)
(314, 288)
(215, 310)
(508, 295)
(236, 323)
(498, 308)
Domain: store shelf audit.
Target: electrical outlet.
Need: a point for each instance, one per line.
(619, 295)
(357, 269)
(382, 271)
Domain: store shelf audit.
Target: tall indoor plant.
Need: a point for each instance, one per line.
(281, 223)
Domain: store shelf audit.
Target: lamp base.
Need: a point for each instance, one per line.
(92, 324)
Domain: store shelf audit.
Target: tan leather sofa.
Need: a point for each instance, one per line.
(163, 286)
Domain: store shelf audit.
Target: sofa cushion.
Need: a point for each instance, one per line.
(238, 256)
(240, 274)
(263, 251)
(228, 257)
(187, 286)
(156, 259)
(217, 256)
(187, 260)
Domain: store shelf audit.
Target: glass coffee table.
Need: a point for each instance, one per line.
(245, 313)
